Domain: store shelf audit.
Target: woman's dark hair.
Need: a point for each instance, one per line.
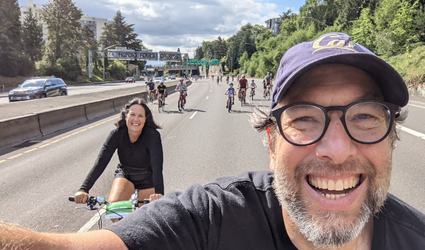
(121, 123)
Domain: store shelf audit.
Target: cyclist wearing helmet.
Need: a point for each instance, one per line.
(242, 85)
(230, 92)
(182, 88)
(267, 83)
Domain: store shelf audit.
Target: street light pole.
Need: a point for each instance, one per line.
(330, 27)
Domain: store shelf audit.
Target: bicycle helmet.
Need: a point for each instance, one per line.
(243, 76)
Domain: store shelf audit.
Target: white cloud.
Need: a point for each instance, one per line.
(171, 24)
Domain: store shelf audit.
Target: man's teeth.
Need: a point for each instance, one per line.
(337, 185)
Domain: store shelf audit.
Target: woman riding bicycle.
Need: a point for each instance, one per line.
(139, 148)
(182, 89)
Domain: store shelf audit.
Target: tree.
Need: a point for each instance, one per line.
(62, 18)
(88, 43)
(10, 38)
(119, 32)
(199, 54)
(395, 27)
(364, 30)
(32, 37)
(108, 36)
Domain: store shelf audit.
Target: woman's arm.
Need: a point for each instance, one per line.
(105, 155)
(157, 159)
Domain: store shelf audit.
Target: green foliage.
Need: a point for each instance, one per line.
(411, 66)
(395, 27)
(88, 43)
(68, 69)
(119, 32)
(420, 23)
(364, 31)
(64, 36)
(32, 37)
(117, 69)
(10, 38)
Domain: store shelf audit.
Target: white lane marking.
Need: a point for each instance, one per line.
(92, 221)
(193, 115)
(417, 102)
(412, 132)
(416, 106)
(207, 98)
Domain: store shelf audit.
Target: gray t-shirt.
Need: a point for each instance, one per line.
(243, 213)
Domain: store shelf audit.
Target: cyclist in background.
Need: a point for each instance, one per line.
(182, 89)
(267, 83)
(151, 89)
(227, 79)
(253, 86)
(230, 92)
(242, 83)
(161, 89)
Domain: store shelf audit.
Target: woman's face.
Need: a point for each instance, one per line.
(135, 119)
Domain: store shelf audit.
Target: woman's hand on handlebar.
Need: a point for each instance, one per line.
(153, 197)
(80, 197)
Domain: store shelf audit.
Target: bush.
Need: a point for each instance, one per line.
(117, 70)
(411, 66)
(67, 69)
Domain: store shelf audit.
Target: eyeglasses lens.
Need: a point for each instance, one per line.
(366, 122)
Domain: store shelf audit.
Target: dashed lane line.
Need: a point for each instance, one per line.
(193, 115)
(422, 107)
(412, 132)
(92, 221)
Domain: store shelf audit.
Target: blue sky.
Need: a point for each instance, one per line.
(165, 25)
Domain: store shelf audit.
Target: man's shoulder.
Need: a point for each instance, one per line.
(401, 224)
(259, 180)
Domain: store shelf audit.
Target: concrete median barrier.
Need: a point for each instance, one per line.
(99, 109)
(42, 117)
(18, 130)
(52, 121)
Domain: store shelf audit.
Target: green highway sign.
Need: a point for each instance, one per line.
(195, 62)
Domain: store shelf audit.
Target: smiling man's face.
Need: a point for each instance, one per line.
(330, 190)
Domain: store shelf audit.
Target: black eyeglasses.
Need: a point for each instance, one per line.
(366, 121)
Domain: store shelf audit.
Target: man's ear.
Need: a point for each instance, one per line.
(271, 150)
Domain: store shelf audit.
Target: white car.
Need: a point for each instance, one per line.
(172, 77)
(158, 80)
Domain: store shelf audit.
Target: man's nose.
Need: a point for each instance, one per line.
(335, 146)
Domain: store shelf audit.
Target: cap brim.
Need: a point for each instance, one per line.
(388, 79)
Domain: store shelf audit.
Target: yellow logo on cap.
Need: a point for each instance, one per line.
(333, 44)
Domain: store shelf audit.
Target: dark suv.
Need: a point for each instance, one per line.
(38, 88)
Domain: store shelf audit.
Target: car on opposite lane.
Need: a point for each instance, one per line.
(130, 79)
(158, 80)
(37, 88)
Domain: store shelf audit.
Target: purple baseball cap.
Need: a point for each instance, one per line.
(338, 48)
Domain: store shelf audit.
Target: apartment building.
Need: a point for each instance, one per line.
(274, 25)
(95, 24)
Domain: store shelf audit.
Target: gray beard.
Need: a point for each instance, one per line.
(330, 228)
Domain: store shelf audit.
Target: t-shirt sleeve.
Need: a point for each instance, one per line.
(105, 155)
(176, 221)
(157, 159)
